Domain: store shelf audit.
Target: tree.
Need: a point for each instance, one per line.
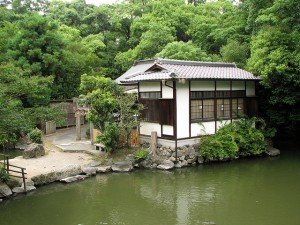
(236, 52)
(183, 51)
(154, 40)
(37, 48)
(22, 101)
(275, 55)
(111, 110)
(101, 96)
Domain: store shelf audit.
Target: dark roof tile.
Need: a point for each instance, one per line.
(184, 70)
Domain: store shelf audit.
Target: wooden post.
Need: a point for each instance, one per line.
(91, 132)
(24, 182)
(78, 127)
(7, 164)
(153, 143)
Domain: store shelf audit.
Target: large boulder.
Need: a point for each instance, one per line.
(94, 164)
(5, 191)
(73, 179)
(271, 151)
(33, 151)
(150, 162)
(12, 182)
(122, 167)
(18, 190)
(56, 175)
(89, 171)
(103, 169)
(166, 165)
(200, 160)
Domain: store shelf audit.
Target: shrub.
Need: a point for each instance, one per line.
(35, 136)
(250, 140)
(219, 147)
(110, 137)
(141, 154)
(3, 174)
(240, 138)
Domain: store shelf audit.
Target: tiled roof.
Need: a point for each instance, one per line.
(166, 69)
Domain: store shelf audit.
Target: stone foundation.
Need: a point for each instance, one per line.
(186, 155)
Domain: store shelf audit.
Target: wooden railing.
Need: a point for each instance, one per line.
(13, 171)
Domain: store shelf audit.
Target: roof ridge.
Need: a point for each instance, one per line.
(194, 63)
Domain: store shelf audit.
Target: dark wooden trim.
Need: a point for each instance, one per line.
(175, 116)
(245, 87)
(190, 113)
(230, 102)
(215, 106)
(167, 137)
(161, 137)
(160, 89)
(160, 111)
(187, 138)
(160, 123)
(172, 138)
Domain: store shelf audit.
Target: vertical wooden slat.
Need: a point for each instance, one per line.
(134, 138)
(7, 164)
(24, 182)
(153, 142)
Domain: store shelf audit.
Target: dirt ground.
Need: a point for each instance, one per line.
(54, 159)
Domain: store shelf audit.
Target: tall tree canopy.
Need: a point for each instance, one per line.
(50, 44)
(275, 56)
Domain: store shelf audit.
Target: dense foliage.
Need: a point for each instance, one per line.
(47, 45)
(141, 154)
(35, 136)
(240, 138)
(3, 173)
(110, 137)
(112, 111)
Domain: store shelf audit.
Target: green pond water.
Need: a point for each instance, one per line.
(257, 191)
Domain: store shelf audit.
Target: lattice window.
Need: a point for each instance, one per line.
(202, 110)
(223, 108)
(151, 95)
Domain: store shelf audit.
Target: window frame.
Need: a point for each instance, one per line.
(226, 96)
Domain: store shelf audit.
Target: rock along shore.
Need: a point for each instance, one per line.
(164, 159)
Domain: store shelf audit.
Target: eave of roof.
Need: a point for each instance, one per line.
(180, 69)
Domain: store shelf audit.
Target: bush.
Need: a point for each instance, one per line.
(141, 154)
(219, 147)
(110, 137)
(35, 136)
(240, 138)
(3, 174)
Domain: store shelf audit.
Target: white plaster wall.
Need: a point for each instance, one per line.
(223, 85)
(182, 106)
(149, 86)
(167, 92)
(220, 124)
(238, 85)
(192, 141)
(171, 143)
(250, 88)
(203, 85)
(168, 130)
(204, 129)
(146, 128)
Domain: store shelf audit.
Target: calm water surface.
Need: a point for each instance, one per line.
(259, 191)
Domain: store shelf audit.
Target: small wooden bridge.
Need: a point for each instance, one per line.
(13, 171)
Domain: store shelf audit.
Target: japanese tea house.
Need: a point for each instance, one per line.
(186, 99)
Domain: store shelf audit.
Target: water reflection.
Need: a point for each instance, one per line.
(241, 192)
